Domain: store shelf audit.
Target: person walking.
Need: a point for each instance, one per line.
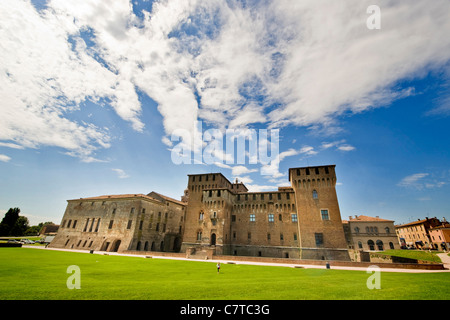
(218, 267)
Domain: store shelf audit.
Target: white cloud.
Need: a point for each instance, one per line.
(240, 170)
(422, 181)
(4, 158)
(120, 173)
(271, 62)
(346, 148)
(412, 180)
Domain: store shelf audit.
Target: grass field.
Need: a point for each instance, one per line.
(27, 273)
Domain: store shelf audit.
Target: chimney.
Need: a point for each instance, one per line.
(350, 218)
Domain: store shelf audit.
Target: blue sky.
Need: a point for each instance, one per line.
(93, 90)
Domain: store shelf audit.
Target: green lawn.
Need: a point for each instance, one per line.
(27, 273)
(415, 254)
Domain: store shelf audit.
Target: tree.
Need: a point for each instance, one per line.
(9, 221)
(20, 226)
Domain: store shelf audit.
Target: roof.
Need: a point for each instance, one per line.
(166, 198)
(363, 218)
(415, 222)
(129, 196)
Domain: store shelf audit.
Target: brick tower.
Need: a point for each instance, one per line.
(321, 235)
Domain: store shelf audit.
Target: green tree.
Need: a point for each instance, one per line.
(20, 226)
(8, 221)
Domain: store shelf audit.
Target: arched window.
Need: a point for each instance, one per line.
(314, 194)
(356, 229)
(380, 245)
(391, 245)
(371, 245)
(360, 245)
(387, 229)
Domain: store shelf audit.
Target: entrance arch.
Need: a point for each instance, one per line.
(213, 239)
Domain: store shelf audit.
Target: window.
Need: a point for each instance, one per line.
(268, 236)
(314, 194)
(271, 218)
(129, 224)
(98, 225)
(140, 224)
(111, 222)
(295, 237)
(356, 229)
(387, 229)
(319, 239)
(199, 235)
(324, 214)
(249, 235)
(281, 237)
(252, 218)
(280, 217)
(359, 244)
(233, 218)
(294, 217)
(371, 245)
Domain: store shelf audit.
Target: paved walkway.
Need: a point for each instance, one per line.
(445, 259)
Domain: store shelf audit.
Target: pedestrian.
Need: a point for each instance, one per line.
(218, 267)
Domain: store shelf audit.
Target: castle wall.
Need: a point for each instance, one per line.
(118, 223)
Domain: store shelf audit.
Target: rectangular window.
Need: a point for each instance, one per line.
(281, 237)
(129, 224)
(140, 224)
(98, 225)
(271, 218)
(233, 218)
(111, 222)
(324, 214)
(294, 217)
(295, 236)
(252, 218)
(319, 239)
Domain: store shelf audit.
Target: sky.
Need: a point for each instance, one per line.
(96, 96)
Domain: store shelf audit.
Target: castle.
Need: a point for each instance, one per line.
(302, 221)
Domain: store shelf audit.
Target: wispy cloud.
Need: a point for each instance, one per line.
(121, 173)
(421, 181)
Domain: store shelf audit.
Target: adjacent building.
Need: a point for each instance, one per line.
(416, 234)
(370, 233)
(440, 236)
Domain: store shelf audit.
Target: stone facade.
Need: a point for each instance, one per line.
(122, 222)
(218, 217)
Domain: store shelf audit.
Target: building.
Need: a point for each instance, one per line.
(300, 221)
(122, 222)
(370, 233)
(416, 234)
(440, 236)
